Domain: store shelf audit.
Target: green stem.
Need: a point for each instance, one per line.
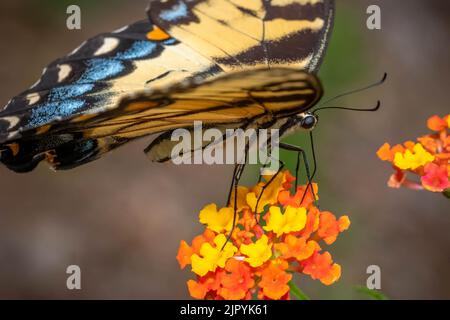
(297, 292)
(446, 193)
(373, 294)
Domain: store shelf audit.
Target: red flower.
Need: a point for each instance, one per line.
(435, 178)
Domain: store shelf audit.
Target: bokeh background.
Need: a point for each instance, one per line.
(121, 218)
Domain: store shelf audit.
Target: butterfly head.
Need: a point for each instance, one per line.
(307, 120)
(300, 122)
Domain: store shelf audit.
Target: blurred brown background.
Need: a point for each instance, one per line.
(121, 218)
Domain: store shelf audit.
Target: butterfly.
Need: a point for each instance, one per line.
(227, 63)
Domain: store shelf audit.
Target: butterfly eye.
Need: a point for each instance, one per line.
(308, 122)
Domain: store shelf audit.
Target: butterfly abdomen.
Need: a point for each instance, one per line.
(61, 152)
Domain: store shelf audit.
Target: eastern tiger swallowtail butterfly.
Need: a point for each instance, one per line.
(228, 63)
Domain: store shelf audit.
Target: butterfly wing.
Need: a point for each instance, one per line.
(246, 34)
(94, 77)
(234, 100)
(72, 112)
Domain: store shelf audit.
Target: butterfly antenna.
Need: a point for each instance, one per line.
(352, 109)
(380, 82)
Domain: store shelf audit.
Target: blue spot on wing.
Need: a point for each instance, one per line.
(70, 91)
(139, 49)
(170, 41)
(176, 12)
(62, 100)
(47, 112)
(100, 69)
(87, 146)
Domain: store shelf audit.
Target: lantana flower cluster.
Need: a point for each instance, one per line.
(428, 158)
(267, 246)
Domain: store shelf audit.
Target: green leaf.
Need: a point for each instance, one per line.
(297, 292)
(374, 294)
(446, 193)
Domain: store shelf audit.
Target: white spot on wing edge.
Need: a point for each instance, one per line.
(7, 105)
(109, 44)
(33, 98)
(77, 48)
(13, 135)
(35, 84)
(39, 80)
(64, 71)
(120, 29)
(12, 121)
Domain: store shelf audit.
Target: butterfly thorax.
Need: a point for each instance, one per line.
(305, 121)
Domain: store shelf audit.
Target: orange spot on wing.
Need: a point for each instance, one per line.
(14, 147)
(50, 156)
(43, 129)
(157, 34)
(135, 106)
(83, 117)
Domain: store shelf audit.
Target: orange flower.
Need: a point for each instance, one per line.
(386, 153)
(184, 254)
(285, 198)
(274, 279)
(312, 222)
(259, 253)
(289, 180)
(430, 143)
(436, 123)
(329, 227)
(185, 251)
(321, 266)
(248, 220)
(427, 159)
(297, 248)
(236, 281)
(210, 282)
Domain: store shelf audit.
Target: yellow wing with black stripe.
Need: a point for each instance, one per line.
(237, 100)
(125, 84)
(239, 34)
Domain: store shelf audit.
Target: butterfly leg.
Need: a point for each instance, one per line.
(263, 166)
(237, 174)
(297, 169)
(280, 167)
(301, 152)
(230, 192)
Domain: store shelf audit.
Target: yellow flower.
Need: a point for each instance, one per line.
(212, 257)
(293, 219)
(258, 252)
(217, 221)
(270, 194)
(413, 160)
(241, 198)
